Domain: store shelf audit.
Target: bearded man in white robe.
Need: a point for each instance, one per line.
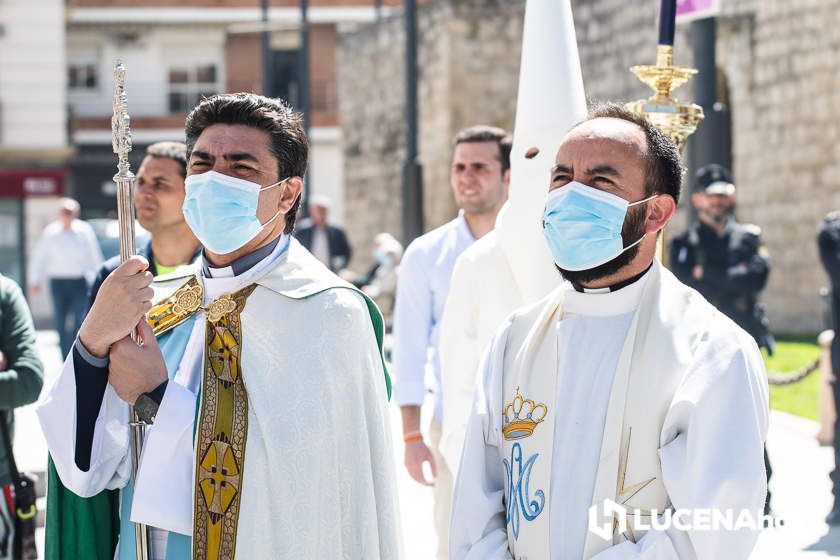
(621, 396)
(260, 375)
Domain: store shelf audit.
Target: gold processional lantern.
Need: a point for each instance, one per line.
(663, 110)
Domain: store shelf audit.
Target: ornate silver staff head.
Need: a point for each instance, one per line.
(121, 124)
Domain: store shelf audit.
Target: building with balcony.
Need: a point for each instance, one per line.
(177, 52)
(34, 150)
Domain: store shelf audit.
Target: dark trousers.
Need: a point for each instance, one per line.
(835, 474)
(69, 296)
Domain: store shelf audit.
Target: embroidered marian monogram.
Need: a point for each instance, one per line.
(222, 432)
(521, 416)
(518, 499)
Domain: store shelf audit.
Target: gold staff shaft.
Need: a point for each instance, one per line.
(121, 141)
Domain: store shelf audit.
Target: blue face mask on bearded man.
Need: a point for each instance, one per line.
(587, 228)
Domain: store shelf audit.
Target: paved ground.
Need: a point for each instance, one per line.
(801, 493)
(801, 488)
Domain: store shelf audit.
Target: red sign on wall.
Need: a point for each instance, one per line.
(20, 183)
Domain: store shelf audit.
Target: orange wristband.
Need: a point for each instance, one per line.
(412, 436)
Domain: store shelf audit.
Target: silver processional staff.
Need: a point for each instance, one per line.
(121, 141)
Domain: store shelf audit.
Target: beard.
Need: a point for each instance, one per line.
(631, 232)
(718, 217)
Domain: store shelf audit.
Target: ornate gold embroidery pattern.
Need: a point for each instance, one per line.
(179, 306)
(222, 432)
(220, 307)
(632, 490)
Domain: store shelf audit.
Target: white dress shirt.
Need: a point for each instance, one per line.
(321, 245)
(65, 253)
(422, 289)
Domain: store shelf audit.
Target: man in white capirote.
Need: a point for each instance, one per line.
(622, 384)
(511, 265)
(479, 177)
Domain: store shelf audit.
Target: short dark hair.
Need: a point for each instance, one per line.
(664, 173)
(171, 150)
(276, 117)
(485, 133)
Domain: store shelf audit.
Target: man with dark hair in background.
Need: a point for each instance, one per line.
(479, 176)
(622, 391)
(259, 373)
(326, 241)
(723, 259)
(158, 196)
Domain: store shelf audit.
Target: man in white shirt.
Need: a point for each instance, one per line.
(622, 391)
(479, 177)
(67, 254)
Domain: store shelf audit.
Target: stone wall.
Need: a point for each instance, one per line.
(783, 66)
(468, 56)
(780, 61)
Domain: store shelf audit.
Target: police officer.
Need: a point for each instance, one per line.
(828, 240)
(724, 260)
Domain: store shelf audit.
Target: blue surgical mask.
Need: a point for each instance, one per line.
(582, 226)
(222, 210)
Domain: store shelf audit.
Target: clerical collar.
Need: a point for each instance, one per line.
(240, 265)
(612, 288)
(606, 303)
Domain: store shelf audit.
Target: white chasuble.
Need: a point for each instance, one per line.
(677, 378)
(317, 476)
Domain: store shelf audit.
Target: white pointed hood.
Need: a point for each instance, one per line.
(551, 100)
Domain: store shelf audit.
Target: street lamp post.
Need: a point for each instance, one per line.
(304, 95)
(412, 179)
(712, 142)
(267, 62)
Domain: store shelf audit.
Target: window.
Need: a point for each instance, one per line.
(188, 86)
(285, 76)
(82, 76)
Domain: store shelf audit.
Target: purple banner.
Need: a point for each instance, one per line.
(688, 10)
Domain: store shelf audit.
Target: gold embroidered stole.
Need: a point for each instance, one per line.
(222, 423)
(222, 429)
(175, 309)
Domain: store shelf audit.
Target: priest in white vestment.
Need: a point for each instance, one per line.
(511, 265)
(623, 390)
(261, 374)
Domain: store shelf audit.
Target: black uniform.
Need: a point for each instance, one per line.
(828, 240)
(735, 270)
